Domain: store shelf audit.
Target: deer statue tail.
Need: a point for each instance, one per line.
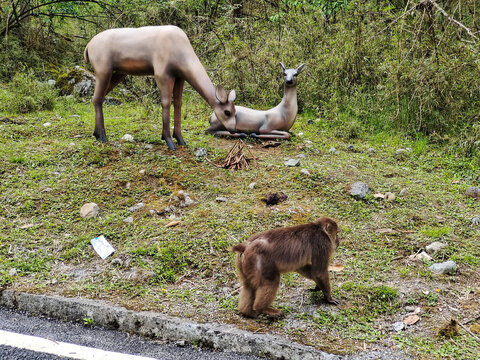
(85, 55)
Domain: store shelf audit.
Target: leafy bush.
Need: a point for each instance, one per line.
(26, 94)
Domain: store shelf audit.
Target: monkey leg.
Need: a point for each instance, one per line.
(322, 280)
(245, 302)
(264, 296)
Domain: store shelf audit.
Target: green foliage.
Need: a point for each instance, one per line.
(26, 94)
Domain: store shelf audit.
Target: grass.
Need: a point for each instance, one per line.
(48, 172)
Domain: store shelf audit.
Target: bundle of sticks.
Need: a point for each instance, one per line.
(236, 158)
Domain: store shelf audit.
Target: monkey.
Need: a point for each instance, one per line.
(261, 259)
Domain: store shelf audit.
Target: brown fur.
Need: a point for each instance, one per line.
(261, 259)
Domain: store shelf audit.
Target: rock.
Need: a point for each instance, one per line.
(308, 142)
(435, 246)
(47, 124)
(182, 199)
(141, 172)
(447, 267)
(89, 210)
(401, 152)
(300, 133)
(51, 82)
(350, 147)
(201, 152)
(76, 81)
(170, 208)
(398, 326)
(301, 156)
(292, 162)
(252, 185)
(112, 101)
(117, 262)
(148, 146)
(333, 150)
(389, 196)
(473, 192)
(221, 199)
(359, 190)
(137, 207)
(275, 198)
(378, 196)
(403, 192)
(475, 221)
(371, 150)
(127, 137)
(127, 186)
(305, 172)
(12, 272)
(128, 220)
(422, 256)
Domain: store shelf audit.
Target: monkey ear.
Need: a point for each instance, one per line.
(221, 94)
(232, 96)
(300, 68)
(283, 66)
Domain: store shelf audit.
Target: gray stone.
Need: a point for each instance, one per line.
(475, 221)
(117, 262)
(47, 124)
(148, 146)
(305, 172)
(473, 192)
(359, 190)
(398, 326)
(137, 207)
(422, 256)
(201, 152)
(128, 220)
(252, 185)
(447, 267)
(333, 150)
(371, 150)
(389, 196)
(89, 210)
(401, 152)
(127, 137)
(292, 162)
(51, 82)
(12, 272)
(301, 156)
(221, 199)
(350, 147)
(112, 101)
(435, 246)
(403, 192)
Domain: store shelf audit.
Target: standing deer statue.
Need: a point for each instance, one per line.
(264, 124)
(166, 53)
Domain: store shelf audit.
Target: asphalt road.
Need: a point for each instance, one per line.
(99, 338)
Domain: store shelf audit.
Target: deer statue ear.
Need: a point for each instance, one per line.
(221, 94)
(232, 96)
(300, 68)
(283, 66)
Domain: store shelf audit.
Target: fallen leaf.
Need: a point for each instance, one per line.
(336, 267)
(172, 223)
(410, 320)
(379, 196)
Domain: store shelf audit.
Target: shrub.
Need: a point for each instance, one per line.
(24, 93)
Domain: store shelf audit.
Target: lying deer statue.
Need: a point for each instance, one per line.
(166, 53)
(267, 124)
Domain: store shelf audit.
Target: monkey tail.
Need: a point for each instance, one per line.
(85, 55)
(240, 248)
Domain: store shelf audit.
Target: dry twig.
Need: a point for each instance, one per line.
(236, 158)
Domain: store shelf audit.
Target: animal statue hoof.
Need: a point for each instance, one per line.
(242, 135)
(170, 144)
(181, 142)
(101, 138)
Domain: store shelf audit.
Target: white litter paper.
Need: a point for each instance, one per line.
(102, 247)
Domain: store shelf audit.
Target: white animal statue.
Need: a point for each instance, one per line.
(265, 124)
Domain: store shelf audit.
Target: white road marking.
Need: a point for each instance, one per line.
(62, 349)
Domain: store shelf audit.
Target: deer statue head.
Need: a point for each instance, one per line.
(290, 75)
(224, 108)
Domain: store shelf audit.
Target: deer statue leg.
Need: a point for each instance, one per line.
(177, 110)
(165, 85)
(101, 85)
(114, 81)
(228, 133)
(274, 134)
